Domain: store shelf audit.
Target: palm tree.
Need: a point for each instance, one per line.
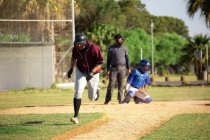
(191, 53)
(194, 6)
(34, 9)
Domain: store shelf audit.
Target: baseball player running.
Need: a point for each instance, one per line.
(88, 60)
(137, 84)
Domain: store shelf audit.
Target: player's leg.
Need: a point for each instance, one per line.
(137, 100)
(130, 94)
(80, 84)
(93, 93)
(120, 81)
(143, 98)
(126, 99)
(148, 100)
(111, 85)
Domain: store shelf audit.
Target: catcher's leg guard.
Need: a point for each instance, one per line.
(127, 99)
(148, 100)
(137, 100)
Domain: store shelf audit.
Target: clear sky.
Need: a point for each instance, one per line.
(177, 8)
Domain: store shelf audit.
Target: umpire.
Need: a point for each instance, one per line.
(117, 65)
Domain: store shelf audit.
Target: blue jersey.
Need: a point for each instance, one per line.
(138, 79)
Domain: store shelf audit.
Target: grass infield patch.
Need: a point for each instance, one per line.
(58, 97)
(40, 126)
(183, 126)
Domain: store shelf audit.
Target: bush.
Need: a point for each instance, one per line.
(14, 38)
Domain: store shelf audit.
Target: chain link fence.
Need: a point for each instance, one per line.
(34, 51)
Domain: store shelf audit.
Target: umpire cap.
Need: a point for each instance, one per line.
(117, 36)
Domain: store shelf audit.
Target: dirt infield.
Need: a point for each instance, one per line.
(122, 121)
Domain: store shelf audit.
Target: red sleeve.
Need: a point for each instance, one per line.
(100, 57)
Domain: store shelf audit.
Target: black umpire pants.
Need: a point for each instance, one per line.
(118, 74)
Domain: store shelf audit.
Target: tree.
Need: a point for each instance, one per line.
(124, 14)
(170, 25)
(193, 6)
(97, 12)
(102, 34)
(168, 51)
(194, 46)
(34, 9)
(135, 13)
(137, 16)
(136, 40)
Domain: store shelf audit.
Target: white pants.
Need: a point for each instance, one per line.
(135, 92)
(81, 82)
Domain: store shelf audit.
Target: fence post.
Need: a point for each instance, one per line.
(166, 78)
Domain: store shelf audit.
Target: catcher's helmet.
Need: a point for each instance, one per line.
(80, 39)
(144, 65)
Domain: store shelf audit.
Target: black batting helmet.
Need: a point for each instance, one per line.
(80, 38)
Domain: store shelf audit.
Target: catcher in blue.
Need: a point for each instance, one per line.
(137, 83)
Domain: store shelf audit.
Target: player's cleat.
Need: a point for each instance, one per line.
(120, 102)
(98, 94)
(137, 100)
(123, 103)
(74, 120)
(127, 99)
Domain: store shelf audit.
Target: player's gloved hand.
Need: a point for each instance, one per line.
(70, 72)
(89, 76)
(142, 90)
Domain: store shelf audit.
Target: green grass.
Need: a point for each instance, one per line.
(39, 126)
(53, 97)
(35, 97)
(184, 126)
(46, 126)
(180, 93)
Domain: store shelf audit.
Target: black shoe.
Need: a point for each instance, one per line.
(106, 103)
(120, 102)
(98, 94)
(123, 102)
(74, 120)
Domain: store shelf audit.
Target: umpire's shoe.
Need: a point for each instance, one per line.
(75, 120)
(106, 102)
(98, 94)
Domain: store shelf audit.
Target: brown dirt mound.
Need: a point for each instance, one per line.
(127, 121)
(82, 130)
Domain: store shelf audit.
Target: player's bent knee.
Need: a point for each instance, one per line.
(131, 93)
(77, 96)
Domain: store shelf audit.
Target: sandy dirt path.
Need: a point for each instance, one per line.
(128, 122)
